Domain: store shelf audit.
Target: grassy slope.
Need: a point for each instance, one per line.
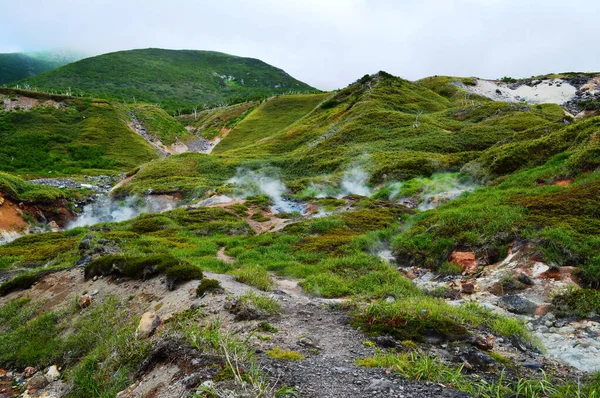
(271, 117)
(177, 79)
(18, 66)
(212, 123)
(20, 190)
(158, 122)
(333, 255)
(368, 123)
(80, 136)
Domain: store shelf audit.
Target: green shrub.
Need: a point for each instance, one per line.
(207, 285)
(582, 303)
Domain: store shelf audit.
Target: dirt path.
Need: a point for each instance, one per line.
(313, 327)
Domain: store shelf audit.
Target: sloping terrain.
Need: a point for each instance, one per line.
(175, 79)
(18, 66)
(392, 238)
(63, 135)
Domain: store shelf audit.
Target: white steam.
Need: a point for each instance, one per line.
(251, 183)
(354, 181)
(107, 209)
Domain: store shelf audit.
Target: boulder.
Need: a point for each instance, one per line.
(517, 304)
(148, 324)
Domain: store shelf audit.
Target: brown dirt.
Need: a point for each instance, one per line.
(563, 182)
(466, 260)
(11, 219)
(224, 257)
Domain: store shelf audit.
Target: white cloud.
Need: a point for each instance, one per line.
(327, 43)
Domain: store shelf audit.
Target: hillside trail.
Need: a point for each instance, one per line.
(315, 327)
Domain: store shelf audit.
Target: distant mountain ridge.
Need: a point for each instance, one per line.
(18, 66)
(175, 79)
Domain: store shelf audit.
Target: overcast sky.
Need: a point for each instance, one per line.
(327, 43)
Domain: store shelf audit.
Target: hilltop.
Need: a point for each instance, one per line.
(18, 66)
(178, 80)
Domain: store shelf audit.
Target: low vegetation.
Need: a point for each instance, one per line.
(421, 366)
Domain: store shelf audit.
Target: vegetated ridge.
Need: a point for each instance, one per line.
(332, 244)
(178, 80)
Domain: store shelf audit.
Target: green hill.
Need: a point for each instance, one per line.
(43, 134)
(18, 66)
(175, 79)
(516, 151)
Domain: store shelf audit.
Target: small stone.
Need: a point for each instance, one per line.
(52, 374)
(37, 382)
(468, 287)
(84, 301)
(517, 304)
(525, 279)
(95, 292)
(380, 385)
(29, 371)
(390, 299)
(407, 273)
(147, 325)
(53, 226)
(532, 365)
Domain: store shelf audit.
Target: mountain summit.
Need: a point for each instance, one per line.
(176, 79)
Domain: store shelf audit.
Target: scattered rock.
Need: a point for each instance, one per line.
(517, 304)
(407, 273)
(532, 365)
(36, 382)
(468, 287)
(29, 371)
(52, 374)
(148, 324)
(379, 385)
(53, 226)
(482, 343)
(390, 299)
(385, 341)
(307, 342)
(84, 301)
(525, 279)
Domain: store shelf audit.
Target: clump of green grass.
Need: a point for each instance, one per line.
(207, 285)
(409, 317)
(261, 302)
(143, 267)
(267, 327)
(23, 191)
(421, 366)
(284, 355)
(582, 303)
(260, 217)
(254, 275)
